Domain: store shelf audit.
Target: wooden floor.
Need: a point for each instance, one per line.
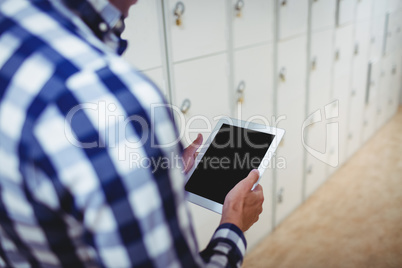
(353, 220)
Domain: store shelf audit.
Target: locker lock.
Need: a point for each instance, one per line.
(280, 195)
(353, 93)
(284, 2)
(185, 106)
(239, 7)
(356, 51)
(337, 54)
(282, 74)
(240, 91)
(365, 123)
(394, 69)
(314, 63)
(310, 169)
(350, 136)
(373, 40)
(178, 12)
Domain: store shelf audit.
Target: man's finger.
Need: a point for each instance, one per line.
(193, 147)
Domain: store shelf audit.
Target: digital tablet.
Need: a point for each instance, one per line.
(232, 150)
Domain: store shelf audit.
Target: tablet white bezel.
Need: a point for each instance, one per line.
(278, 134)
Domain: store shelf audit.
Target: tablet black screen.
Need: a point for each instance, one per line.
(234, 152)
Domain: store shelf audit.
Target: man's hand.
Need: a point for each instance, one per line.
(190, 153)
(242, 206)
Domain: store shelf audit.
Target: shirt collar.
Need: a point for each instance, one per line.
(104, 19)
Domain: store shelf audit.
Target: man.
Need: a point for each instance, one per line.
(69, 196)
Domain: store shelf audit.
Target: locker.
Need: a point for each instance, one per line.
(342, 83)
(252, 22)
(197, 28)
(371, 100)
(380, 8)
(345, 12)
(292, 17)
(359, 83)
(205, 223)
(291, 94)
(383, 92)
(321, 61)
(157, 76)
(377, 38)
(144, 35)
(319, 96)
(323, 14)
(201, 95)
(264, 225)
(395, 83)
(364, 9)
(253, 78)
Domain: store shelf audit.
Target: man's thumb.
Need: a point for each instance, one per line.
(252, 177)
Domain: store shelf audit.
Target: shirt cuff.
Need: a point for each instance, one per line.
(234, 234)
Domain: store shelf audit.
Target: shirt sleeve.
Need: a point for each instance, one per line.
(120, 179)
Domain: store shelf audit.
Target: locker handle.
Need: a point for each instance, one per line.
(337, 54)
(240, 91)
(185, 106)
(280, 195)
(314, 63)
(282, 74)
(239, 7)
(356, 49)
(178, 12)
(370, 82)
(310, 169)
(394, 69)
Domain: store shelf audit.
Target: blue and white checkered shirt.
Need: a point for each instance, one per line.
(82, 136)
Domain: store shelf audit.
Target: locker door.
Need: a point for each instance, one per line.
(202, 94)
(253, 79)
(379, 8)
(201, 30)
(319, 96)
(346, 11)
(377, 38)
(322, 14)
(264, 225)
(395, 83)
(383, 92)
(157, 76)
(292, 17)
(359, 82)
(144, 34)
(341, 87)
(291, 94)
(252, 22)
(370, 111)
(205, 223)
(364, 9)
